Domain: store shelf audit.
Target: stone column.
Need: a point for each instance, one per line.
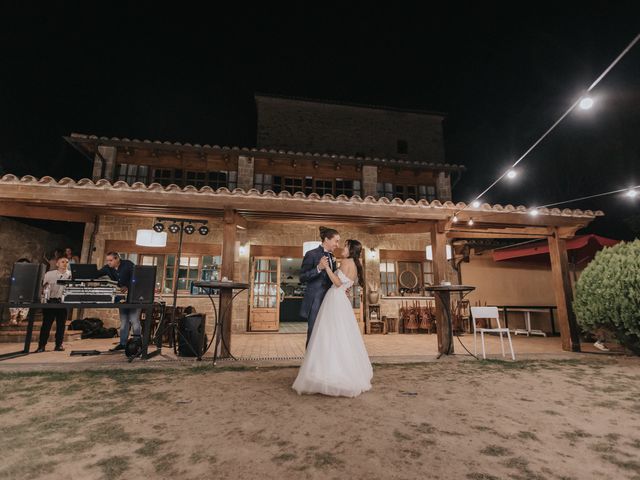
(245, 172)
(109, 154)
(369, 180)
(443, 187)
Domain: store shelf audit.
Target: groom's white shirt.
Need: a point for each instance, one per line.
(330, 261)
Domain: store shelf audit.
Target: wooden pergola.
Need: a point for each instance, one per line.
(84, 201)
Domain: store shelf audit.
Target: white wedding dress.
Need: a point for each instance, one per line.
(336, 362)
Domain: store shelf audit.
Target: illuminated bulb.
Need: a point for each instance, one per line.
(475, 204)
(512, 174)
(470, 222)
(632, 193)
(534, 212)
(586, 103)
(455, 219)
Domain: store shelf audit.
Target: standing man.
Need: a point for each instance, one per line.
(313, 274)
(121, 271)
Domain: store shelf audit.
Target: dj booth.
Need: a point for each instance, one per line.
(146, 330)
(84, 292)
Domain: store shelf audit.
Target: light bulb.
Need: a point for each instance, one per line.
(586, 103)
(475, 204)
(534, 212)
(512, 174)
(455, 219)
(470, 222)
(632, 193)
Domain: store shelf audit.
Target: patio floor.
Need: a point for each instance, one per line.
(265, 347)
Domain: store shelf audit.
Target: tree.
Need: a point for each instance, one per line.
(608, 294)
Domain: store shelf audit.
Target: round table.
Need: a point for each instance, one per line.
(443, 294)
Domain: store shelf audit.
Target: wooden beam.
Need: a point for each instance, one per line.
(513, 232)
(561, 281)
(416, 227)
(240, 221)
(438, 246)
(188, 248)
(227, 270)
(491, 235)
(45, 213)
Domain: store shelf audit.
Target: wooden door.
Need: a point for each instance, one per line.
(264, 306)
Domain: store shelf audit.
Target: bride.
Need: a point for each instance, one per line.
(336, 362)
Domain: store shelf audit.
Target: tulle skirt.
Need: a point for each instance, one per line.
(336, 362)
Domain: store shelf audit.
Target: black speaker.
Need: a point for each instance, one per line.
(26, 283)
(191, 335)
(143, 284)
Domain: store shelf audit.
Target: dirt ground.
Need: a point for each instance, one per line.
(545, 419)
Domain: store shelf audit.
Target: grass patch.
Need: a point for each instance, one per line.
(113, 467)
(495, 451)
(575, 435)
(326, 459)
(401, 436)
(481, 476)
(6, 410)
(625, 465)
(150, 447)
(284, 457)
(526, 435)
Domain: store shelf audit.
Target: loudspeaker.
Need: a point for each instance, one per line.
(26, 283)
(191, 335)
(143, 284)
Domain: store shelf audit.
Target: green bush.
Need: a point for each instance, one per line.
(608, 294)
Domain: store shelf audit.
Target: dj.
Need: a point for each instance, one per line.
(121, 271)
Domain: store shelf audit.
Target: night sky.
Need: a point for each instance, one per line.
(501, 74)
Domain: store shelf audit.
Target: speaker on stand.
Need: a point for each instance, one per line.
(26, 283)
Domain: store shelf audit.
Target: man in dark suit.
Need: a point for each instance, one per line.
(313, 274)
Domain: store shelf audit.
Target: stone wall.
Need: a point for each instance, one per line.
(18, 240)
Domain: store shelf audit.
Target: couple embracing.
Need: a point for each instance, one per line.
(336, 362)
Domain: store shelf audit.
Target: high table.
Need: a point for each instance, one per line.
(226, 291)
(146, 331)
(443, 295)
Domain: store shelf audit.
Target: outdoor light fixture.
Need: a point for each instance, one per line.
(151, 238)
(242, 250)
(174, 228)
(586, 103)
(632, 193)
(372, 253)
(429, 252)
(534, 212)
(203, 230)
(512, 174)
(470, 222)
(158, 227)
(475, 203)
(189, 229)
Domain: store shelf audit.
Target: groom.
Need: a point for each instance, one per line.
(314, 275)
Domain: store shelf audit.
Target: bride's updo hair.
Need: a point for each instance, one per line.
(355, 249)
(327, 233)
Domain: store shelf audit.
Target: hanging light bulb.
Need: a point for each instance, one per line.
(534, 212)
(511, 174)
(475, 203)
(470, 222)
(455, 219)
(586, 103)
(632, 193)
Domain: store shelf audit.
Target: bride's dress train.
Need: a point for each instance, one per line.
(336, 362)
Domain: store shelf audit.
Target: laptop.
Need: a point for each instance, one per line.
(83, 271)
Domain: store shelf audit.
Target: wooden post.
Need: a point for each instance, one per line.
(226, 270)
(561, 281)
(438, 246)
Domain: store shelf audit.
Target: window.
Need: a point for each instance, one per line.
(132, 173)
(347, 187)
(427, 273)
(197, 179)
(191, 268)
(403, 147)
(262, 182)
(388, 281)
(386, 190)
(163, 176)
(431, 193)
(426, 192)
(292, 184)
(323, 186)
(217, 180)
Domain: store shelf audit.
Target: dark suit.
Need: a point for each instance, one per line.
(317, 285)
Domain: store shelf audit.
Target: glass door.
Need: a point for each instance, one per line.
(264, 303)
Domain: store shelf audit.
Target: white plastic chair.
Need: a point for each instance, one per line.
(489, 313)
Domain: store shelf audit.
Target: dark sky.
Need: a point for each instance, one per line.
(503, 75)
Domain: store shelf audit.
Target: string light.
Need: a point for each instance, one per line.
(632, 193)
(470, 222)
(455, 219)
(511, 174)
(534, 212)
(475, 204)
(584, 101)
